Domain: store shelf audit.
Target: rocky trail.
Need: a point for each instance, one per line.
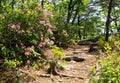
(76, 68)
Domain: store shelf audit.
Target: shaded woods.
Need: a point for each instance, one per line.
(36, 33)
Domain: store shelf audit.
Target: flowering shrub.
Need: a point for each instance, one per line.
(24, 31)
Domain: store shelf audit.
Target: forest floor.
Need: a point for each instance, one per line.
(77, 70)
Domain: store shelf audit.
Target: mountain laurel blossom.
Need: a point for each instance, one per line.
(16, 45)
(28, 62)
(15, 26)
(38, 26)
(42, 21)
(30, 48)
(19, 31)
(18, 26)
(48, 24)
(51, 42)
(23, 46)
(26, 53)
(41, 44)
(49, 31)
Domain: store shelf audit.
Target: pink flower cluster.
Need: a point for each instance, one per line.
(26, 53)
(28, 62)
(38, 26)
(49, 31)
(30, 48)
(48, 24)
(16, 45)
(41, 44)
(42, 21)
(19, 31)
(51, 42)
(23, 46)
(15, 26)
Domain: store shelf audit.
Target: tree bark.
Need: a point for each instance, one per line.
(79, 31)
(69, 11)
(118, 28)
(13, 2)
(22, 1)
(108, 20)
(42, 3)
(0, 5)
(75, 15)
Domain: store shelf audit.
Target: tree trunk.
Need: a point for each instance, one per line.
(84, 31)
(118, 28)
(69, 11)
(22, 1)
(42, 3)
(0, 5)
(13, 2)
(108, 20)
(75, 15)
(79, 31)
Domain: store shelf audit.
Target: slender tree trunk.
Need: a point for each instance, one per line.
(84, 31)
(77, 3)
(108, 20)
(76, 13)
(118, 28)
(42, 3)
(69, 11)
(13, 2)
(0, 6)
(22, 1)
(79, 32)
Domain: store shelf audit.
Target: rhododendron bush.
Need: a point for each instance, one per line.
(24, 31)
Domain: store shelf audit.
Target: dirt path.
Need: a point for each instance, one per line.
(76, 67)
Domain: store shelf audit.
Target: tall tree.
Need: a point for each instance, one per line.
(108, 20)
(78, 22)
(78, 7)
(12, 4)
(22, 1)
(0, 3)
(42, 3)
(70, 9)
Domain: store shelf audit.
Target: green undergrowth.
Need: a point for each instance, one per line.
(109, 71)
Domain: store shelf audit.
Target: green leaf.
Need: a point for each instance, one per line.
(86, 2)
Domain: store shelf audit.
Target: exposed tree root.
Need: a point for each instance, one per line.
(53, 71)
